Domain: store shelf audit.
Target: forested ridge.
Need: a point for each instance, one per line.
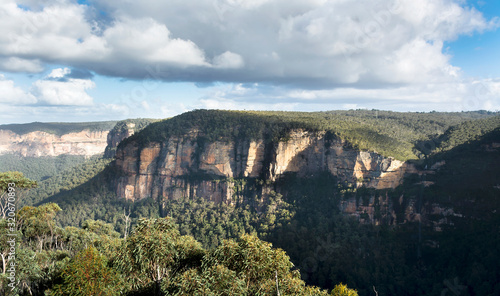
(325, 246)
(391, 134)
(58, 128)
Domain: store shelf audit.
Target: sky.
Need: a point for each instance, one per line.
(95, 60)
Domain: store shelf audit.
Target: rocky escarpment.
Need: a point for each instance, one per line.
(186, 166)
(122, 130)
(115, 136)
(39, 143)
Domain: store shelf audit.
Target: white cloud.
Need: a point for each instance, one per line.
(290, 54)
(148, 41)
(315, 43)
(14, 64)
(59, 73)
(228, 60)
(58, 88)
(11, 94)
(69, 92)
(443, 96)
(61, 33)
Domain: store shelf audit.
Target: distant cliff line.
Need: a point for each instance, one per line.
(53, 139)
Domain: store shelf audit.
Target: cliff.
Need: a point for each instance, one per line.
(41, 143)
(115, 136)
(237, 158)
(165, 169)
(39, 139)
(122, 130)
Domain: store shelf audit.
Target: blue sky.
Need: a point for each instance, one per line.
(477, 54)
(69, 60)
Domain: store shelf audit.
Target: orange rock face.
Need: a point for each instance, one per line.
(180, 167)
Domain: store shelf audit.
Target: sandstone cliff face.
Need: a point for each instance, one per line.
(166, 169)
(114, 138)
(37, 144)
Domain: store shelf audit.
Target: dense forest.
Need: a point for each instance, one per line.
(154, 259)
(302, 215)
(39, 168)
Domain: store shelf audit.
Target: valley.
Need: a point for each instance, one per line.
(403, 202)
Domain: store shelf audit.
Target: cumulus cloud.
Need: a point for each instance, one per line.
(228, 60)
(13, 95)
(146, 40)
(61, 33)
(58, 89)
(309, 44)
(59, 73)
(453, 96)
(290, 54)
(14, 64)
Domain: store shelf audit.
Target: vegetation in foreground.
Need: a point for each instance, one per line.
(155, 259)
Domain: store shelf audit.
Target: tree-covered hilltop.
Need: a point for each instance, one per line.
(58, 128)
(392, 134)
(467, 132)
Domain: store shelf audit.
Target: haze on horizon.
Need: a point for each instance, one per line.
(94, 60)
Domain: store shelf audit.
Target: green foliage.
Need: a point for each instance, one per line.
(252, 259)
(215, 280)
(343, 290)
(153, 252)
(28, 273)
(155, 259)
(248, 266)
(66, 180)
(469, 177)
(38, 223)
(88, 274)
(39, 168)
(12, 187)
(58, 128)
(301, 215)
(16, 178)
(468, 132)
(211, 223)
